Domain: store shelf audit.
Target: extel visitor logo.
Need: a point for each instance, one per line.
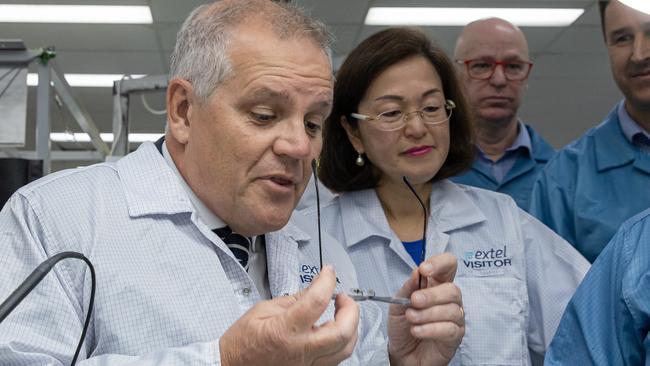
(492, 258)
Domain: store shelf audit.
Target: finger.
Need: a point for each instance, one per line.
(439, 331)
(439, 268)
(336, 339)
(405, 291)
(312, 302)
(431, 296)
(441, 313)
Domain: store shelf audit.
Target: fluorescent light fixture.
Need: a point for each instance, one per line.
(640, 5)
(530, 17)
(106, 137)
(106, 14)
(86, 80)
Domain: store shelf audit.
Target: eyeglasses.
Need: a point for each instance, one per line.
(395, 119)
(483, 69)
(358, 294)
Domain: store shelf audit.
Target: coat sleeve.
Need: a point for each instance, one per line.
(607, 321)
(45, 328)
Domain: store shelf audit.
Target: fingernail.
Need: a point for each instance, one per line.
(418, 298)
(412, 314)
(418, 329)
(427, 267)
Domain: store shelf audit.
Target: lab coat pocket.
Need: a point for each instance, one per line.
(494, 321)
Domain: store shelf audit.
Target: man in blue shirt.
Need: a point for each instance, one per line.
(608, 320)
(600, 180)
(493, 61)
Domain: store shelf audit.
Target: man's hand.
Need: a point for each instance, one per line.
(282, 331)
(430, 331)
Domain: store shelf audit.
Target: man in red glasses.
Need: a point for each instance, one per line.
(493, 63)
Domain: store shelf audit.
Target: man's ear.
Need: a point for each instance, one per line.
(181, 103)
(353, 135)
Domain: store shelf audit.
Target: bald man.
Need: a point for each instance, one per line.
(493, 63)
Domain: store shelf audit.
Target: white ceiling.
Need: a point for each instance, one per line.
(570, 90)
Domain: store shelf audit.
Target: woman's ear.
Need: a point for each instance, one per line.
(181, 102)
(353, 135)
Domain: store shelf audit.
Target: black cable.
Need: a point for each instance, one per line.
(320, 245)
(424, 234)
(36, 277)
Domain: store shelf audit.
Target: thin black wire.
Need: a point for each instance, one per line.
(424, 234)
(36, 277)
(90, 309)
(320, 245)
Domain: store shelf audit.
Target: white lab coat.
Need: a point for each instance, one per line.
(516, 275)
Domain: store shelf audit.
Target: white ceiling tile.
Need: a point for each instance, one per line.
(117, 37)
(336, 11)
(105, 62)
(580, 39)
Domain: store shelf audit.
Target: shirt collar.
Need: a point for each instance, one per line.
(629, 126)
(522, 140)
(210, 219)
(450, 208)
(150, 186)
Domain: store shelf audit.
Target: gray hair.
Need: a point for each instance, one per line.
(201, 52)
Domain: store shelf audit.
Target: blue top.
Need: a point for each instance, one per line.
(521, 145)
(592, 186)
(519, 168)
(608, 320)
(632, 131)
(414, 249)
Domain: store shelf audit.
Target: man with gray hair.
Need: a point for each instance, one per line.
(199, 260)
(494, 64)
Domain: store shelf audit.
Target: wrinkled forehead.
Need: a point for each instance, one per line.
(260, 44)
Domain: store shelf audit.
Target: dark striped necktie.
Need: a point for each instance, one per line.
(238, 244)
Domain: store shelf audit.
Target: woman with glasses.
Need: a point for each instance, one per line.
(399, 127)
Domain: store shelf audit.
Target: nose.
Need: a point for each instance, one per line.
(641, 51)
(293, 141)
(498, 77)
(414, 125)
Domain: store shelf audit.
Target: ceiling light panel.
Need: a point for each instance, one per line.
(527, 17)
(86, 80)
(103, 14)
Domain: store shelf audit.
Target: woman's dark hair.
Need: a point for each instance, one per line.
(365, 63)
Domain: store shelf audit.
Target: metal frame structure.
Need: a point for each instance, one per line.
(49, 77)
(122, 90)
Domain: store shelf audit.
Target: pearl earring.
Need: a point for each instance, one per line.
(360, 160)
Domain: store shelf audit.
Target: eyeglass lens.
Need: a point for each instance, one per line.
(513, 70)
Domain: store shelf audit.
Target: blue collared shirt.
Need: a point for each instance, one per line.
(516, 172)
(501, 167)
(167, 286)
(592, 186)
(607, 323)
(634, 133)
